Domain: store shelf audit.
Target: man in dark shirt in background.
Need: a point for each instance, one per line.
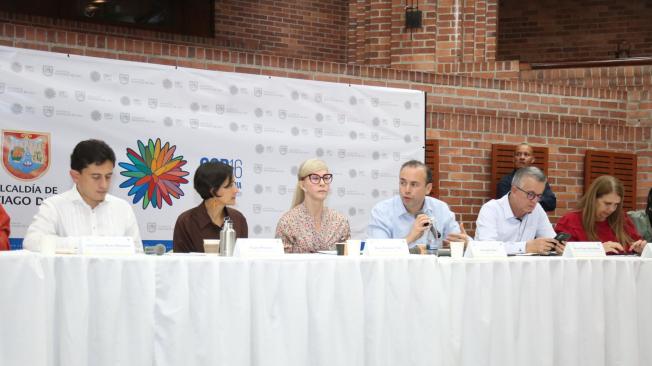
(524, 156)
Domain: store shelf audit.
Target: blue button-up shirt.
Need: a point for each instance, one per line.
(390, 220)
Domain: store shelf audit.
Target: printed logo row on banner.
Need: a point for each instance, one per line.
(163, 122)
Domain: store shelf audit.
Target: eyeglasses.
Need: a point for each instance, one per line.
(315, 178)
(530, 195)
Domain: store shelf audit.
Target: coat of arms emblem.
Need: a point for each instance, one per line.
(25, 154)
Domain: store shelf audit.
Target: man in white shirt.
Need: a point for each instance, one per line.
(411, 214)
(87, 209)
(517, 219)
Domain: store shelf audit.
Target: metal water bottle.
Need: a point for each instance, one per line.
(227, 238)
(230, 240)
(226, 224)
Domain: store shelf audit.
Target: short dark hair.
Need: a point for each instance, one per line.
(90, 152)
(418, 164)
(524, 144)
(210, 176)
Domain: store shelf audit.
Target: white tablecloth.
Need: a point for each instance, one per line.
(323, 310)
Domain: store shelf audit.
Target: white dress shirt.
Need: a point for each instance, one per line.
(68, 215)
(496, 222)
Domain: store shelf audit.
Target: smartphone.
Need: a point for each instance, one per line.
(562, 237)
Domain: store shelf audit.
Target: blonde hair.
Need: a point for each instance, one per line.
(604, 184)
(307, 167)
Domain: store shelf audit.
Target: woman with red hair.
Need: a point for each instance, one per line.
(600, 217)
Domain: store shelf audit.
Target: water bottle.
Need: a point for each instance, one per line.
(227, 239)
(222, 248)
(230, 240)
(433, 237)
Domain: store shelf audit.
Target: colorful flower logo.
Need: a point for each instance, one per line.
(155, 174)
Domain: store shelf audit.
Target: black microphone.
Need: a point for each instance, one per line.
(432, 222)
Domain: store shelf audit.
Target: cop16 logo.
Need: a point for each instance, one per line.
(236, 164)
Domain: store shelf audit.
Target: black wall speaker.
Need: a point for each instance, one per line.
(413, 17)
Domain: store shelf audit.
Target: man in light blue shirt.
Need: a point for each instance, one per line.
(410, 214)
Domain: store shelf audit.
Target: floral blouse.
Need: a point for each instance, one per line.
(297, 230)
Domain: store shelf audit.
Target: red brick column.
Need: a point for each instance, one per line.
(456, 36)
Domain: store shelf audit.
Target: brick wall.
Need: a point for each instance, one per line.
(466, 114)
(311, 29)
(465, 156)
(450, 36)
(314, 29)
(636, 80)
(637, 77)
(559, 30)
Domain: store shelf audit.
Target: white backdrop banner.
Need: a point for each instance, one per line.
(163, 121)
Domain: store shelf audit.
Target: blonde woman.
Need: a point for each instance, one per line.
(310, 226)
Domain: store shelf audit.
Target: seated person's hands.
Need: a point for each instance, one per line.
(613, 247)
(559, 246)
(541, 245)
(421, 224)
(637, 246)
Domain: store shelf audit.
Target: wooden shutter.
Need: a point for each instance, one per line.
(432, 160)
(502, 162)
(619, 165)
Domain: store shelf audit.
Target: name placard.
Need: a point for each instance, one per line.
(485, 249)
(584, 249)
(647, 251)
(385, 248)
(251, 247)
(105, 245)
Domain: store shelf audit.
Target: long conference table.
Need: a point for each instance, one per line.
(183, 310)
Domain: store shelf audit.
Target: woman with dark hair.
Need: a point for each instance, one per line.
(310, 226)
(215, 184)
(643, 219)
(600, 217)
